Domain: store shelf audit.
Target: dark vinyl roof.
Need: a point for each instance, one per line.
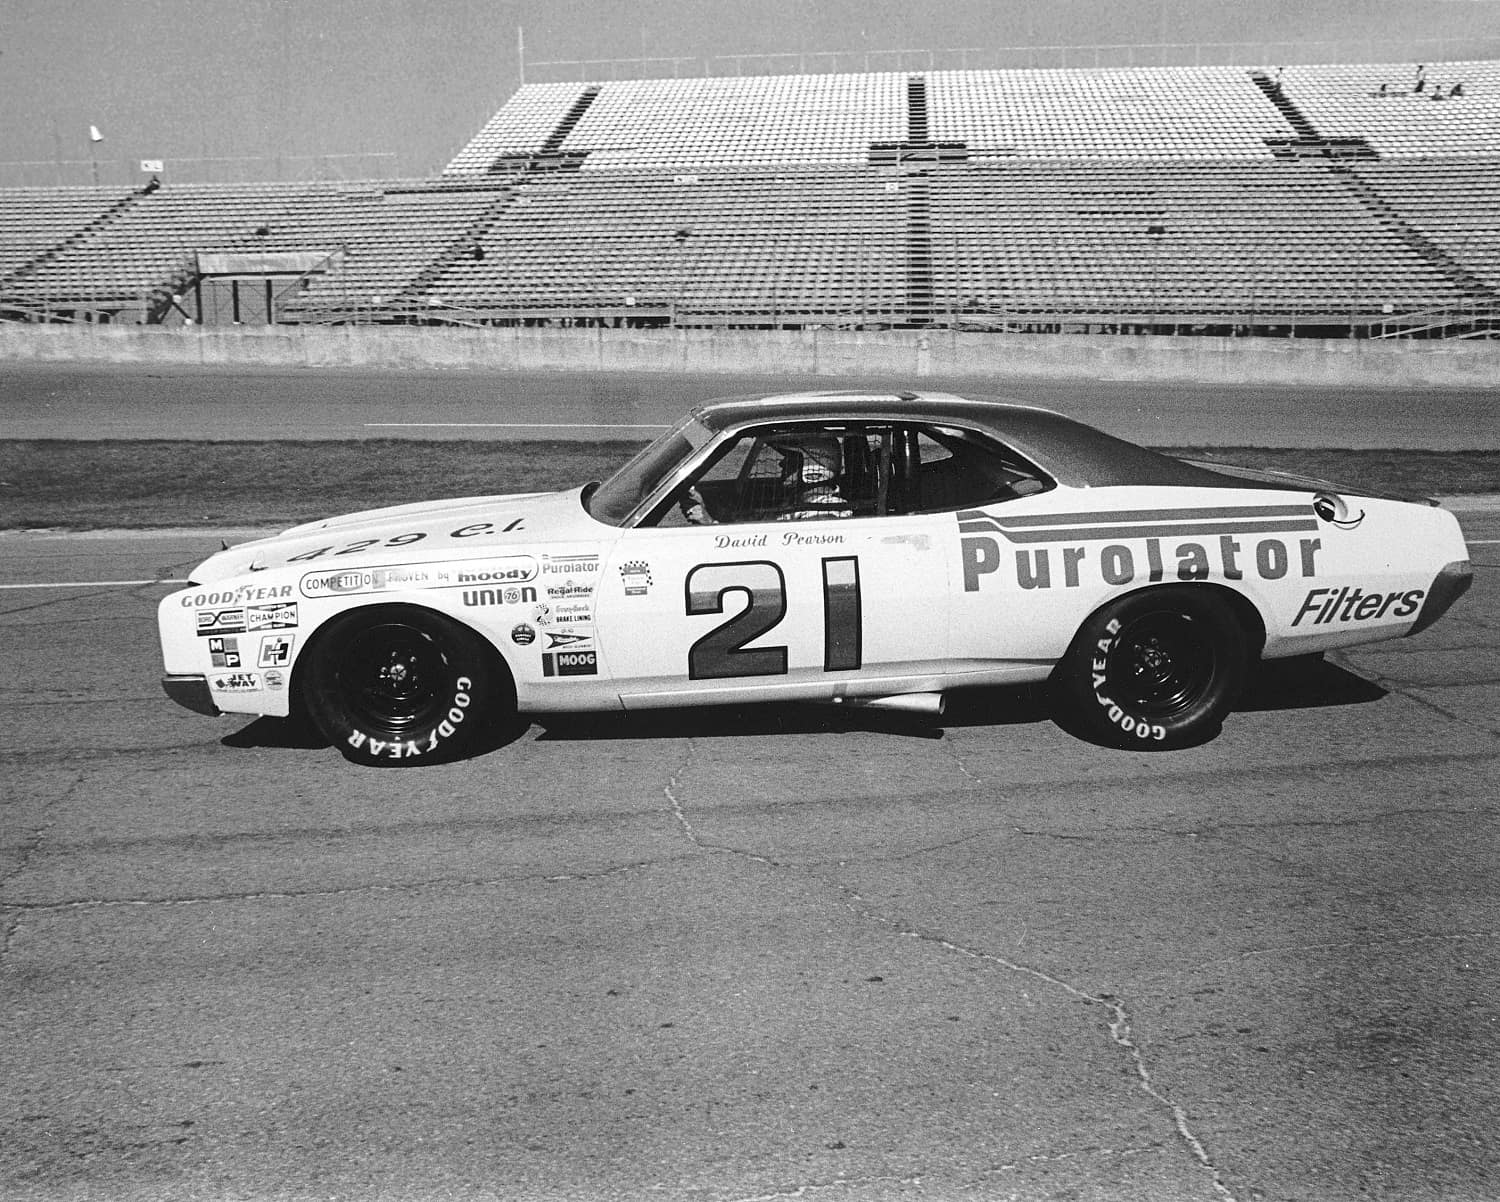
(1070, 451)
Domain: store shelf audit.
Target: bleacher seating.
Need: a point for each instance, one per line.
(1453, 202)
(377, 238)
(1219, 197)
(148, 245)
(34, 220)
(1141, 112)
(383, 239)
(1245, 243)
(806, 241)
(631, 124)
(1347, 101)
(520, 127)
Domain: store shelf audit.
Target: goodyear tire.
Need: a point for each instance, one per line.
(398, 684)
(1156, 670)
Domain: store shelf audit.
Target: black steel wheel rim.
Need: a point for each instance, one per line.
(394, 678)
(1160, 664)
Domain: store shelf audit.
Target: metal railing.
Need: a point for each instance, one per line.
(1101, 55)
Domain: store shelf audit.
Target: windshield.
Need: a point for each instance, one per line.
(619, 496)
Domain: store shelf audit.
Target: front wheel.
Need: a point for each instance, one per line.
(1156, 670)
(400, 684)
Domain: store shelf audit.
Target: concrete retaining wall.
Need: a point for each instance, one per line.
(924, 356)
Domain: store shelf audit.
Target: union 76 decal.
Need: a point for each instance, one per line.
(722, 652)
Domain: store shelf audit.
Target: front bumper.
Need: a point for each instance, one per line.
(191, 692)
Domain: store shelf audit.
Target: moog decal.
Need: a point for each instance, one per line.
(570, 663)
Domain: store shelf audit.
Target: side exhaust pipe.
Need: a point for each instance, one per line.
(932, 704)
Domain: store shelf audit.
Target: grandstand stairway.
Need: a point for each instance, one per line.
(110, 214)
(913, 158)
(919, 146)
(468, 244)
(550, 156)
(919, 273)
(1460, 276)
(1310, 143)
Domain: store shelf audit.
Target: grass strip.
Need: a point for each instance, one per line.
(66, 484)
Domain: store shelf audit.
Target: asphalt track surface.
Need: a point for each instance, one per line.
(743, 955)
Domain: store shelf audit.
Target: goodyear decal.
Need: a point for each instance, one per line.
(1141, 544)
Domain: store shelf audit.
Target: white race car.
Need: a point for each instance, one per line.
(852, 549)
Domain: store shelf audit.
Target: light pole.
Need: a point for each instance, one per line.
(95, 137)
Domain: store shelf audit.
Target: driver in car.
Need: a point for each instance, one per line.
(810, 465)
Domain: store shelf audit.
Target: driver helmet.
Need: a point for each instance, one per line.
(817, 456)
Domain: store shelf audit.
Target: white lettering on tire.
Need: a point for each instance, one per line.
(1129, 723)
(445, 729)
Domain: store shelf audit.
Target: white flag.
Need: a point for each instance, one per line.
(94, 134)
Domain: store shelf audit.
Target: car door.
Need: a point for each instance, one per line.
(787, 595)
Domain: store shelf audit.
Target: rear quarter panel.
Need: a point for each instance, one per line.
(1030, 571)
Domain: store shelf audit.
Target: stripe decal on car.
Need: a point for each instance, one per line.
(1139, 523)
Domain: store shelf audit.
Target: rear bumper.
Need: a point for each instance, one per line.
(191, 692)
(1451, 583)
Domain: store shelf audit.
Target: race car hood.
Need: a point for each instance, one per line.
(412, 532)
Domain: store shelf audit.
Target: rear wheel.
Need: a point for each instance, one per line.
(1155, 670)
(400, 684)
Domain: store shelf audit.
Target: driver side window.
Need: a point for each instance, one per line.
(793, 473)
(815, 472)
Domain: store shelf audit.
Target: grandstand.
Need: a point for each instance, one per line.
(1348, 200)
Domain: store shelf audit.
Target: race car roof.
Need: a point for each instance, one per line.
(1072, 452)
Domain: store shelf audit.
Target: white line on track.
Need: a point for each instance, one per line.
(91, 584)
(512, 426)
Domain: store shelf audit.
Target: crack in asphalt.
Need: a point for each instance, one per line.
(1210, 834)
(1409, 693)
(432, 883)
(953, 753)
(679, 814)
(1119, 1025)
(1119, 1017)
(28, 848)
